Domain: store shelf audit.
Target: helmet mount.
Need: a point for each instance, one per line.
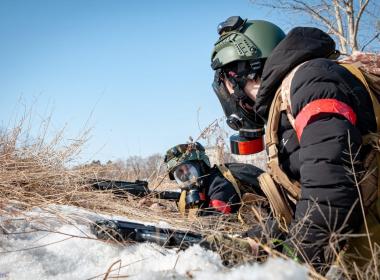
(232, 23)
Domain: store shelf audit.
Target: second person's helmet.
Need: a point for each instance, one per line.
(183, 153)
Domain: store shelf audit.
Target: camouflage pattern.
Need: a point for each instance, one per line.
(182, 153)
(369, 62)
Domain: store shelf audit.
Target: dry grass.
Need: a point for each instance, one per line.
(36, 174)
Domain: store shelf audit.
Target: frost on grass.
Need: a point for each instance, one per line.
(56, 243)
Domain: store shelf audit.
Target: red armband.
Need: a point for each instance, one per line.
(322, 106)
(220, 206)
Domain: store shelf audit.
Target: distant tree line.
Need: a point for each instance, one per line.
(132, 168)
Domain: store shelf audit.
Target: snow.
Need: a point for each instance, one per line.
(68, 250)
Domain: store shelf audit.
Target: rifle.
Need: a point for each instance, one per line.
(235, 249)
(137, 188)
(131, 231)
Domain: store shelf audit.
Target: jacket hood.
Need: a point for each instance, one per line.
(300, 44)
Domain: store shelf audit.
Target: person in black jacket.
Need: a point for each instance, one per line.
(205, 186)
(331, 109)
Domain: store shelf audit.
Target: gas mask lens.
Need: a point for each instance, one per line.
(185, 172)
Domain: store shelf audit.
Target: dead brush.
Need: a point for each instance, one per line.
(35, 173)
(371, 268)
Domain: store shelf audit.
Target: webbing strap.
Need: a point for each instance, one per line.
(376, 108)
(293, 188)
(182, 203)
(358, 74)
(228, 175)
(276, 200)
(191, 212)
(285, 93)
(271, 141)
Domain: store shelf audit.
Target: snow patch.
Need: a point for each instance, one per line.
(68, 250)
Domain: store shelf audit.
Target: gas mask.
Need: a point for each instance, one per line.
(239, 56)
(238, 107)
(187, 176)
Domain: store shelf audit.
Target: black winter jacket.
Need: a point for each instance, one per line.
(221, 196)
(320, 160)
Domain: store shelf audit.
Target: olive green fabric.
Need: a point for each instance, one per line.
(255, 40)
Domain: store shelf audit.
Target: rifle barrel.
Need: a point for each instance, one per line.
(137, 188)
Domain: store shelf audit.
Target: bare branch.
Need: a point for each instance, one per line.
(338, 17)
(340, 6)
(377, 36)
(362, 7)
(310, 10)
(344, 19)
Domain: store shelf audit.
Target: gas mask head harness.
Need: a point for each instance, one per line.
(188, 164)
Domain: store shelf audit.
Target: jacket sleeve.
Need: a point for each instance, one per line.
(222, 195)
(328, 206)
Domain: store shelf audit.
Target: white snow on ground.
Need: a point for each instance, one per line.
(68, 252)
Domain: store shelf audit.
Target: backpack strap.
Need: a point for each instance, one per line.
(277, 201)
(285, 94)
(227, 174)
(271, 142)
(372, 139)
(191, 213)
(182, 203)
(229, 177)
(359, 75)
(275, 194)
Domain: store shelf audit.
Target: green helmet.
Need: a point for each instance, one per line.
(244, 40)
(182, 153)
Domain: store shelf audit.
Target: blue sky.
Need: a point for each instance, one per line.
(136, 72)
